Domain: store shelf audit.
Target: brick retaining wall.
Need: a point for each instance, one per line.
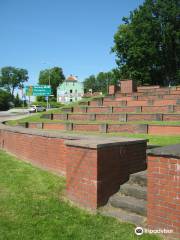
(43, 151)
(95, 167)
(163, 130)
(123, 117)
(163, 208)
(110, 128)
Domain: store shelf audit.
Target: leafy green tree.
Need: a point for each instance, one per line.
(147, 45)
(53, 76)
(90, 83)
(17, 101)
(11, 78)
(101, 82)
(5, 100)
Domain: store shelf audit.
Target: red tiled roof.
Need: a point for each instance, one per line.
(71, 78)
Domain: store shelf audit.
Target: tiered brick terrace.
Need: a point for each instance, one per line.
(122, 112)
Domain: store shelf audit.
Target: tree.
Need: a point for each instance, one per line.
(90, 83)
(101, 82)
(147, 45)
(17, 101)
(53, 76)
(11, 78)
(5, 100)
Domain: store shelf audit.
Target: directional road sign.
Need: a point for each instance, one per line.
(38, 90)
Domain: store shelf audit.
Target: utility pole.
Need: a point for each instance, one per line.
(49, 81)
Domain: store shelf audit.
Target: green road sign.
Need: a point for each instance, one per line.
(38, 90)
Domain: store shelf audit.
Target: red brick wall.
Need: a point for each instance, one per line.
(93, 175)
(112, 103)
(154, 103)
(78, 117)
(112, 89)
(48, 153)
(129, 128)
(79, 109)
(141, 117)
(163, 130)
(155, 109)
(153, 97)
(175, 92)
(147, 88)
(97, 109)
(137, 103)
(171, 117)
(127, 86)
(124, 109)
(113, 117)
(163, 208)
(32, 125)
(54, 126)
(123, 98)
(93, 103)
(59, 116)
(164, 102)
(172, 96)
(81, 178)
(86, 127)
(176, 108)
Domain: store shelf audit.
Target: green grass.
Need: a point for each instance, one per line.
(31, 208)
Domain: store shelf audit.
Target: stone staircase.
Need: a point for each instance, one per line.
(129, 204)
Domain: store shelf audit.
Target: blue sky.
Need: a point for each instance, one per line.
(76, 35)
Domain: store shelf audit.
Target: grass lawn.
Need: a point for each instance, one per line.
(31, 208)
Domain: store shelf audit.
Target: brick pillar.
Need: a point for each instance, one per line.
(113, 89)
(128, 86)
(163, 209)
(97, 167)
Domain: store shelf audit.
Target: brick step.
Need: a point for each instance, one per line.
(123, 215)
(107, 127)
(150, 92)
(122, 117)
(158, 97)
(146, 103)
(128, 203)
(160, 100)
(125, 109)
(134, 190)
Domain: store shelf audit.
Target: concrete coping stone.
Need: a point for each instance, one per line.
(168, 151)
(89, 141)
(100, 142)
(38, 132)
